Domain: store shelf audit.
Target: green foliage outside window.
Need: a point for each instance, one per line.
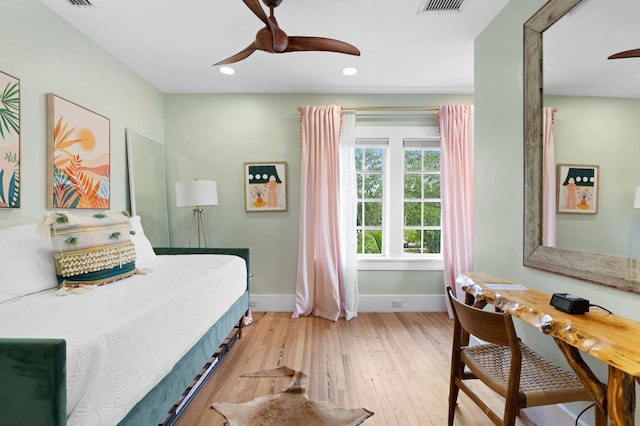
(422, 207)
(370, 181)
(370, 241)
(422, 200)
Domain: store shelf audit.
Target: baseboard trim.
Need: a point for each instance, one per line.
(272, 302)
(408, 302)
(367, 303)
(560, 414)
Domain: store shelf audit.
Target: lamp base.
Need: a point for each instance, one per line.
(197, 218)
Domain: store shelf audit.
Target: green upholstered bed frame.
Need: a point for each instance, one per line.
(33, 371)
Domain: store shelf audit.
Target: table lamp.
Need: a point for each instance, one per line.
(197, 193)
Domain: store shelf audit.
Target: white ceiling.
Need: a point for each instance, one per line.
(174, 44)
(576, 49)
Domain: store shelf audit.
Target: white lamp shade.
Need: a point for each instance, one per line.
(636, 201)
(196, 193)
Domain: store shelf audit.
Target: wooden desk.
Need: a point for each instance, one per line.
(609, 338)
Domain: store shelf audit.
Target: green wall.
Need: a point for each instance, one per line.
(50, 56)
(498, 241)
(604, 132)
(211, 136)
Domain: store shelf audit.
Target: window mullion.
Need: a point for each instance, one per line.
(396, 196)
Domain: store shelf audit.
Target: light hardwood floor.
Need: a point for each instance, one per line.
(394, 364)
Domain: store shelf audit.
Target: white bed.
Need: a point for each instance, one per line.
(123, 338)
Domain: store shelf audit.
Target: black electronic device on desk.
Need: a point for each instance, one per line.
(568, 303)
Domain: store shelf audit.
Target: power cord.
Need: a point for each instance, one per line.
(603, 308)
(582, 412)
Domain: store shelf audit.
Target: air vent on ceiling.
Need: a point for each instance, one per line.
(80, 3)
(440, 6)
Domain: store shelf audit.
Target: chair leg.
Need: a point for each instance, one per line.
(511, 411)
(453, 400)
(456, 373)
(601, 417)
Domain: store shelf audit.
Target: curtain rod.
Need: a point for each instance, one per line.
(388, 108)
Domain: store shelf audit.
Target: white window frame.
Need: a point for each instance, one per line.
(393, 256)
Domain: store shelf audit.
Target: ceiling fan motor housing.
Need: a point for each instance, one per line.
(272, 3)
(272, 39)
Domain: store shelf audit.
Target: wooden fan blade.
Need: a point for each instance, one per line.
(633, 53)
(255, 7)
(300, 44)
(238, 56)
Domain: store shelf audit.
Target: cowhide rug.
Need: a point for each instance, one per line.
(291, 407)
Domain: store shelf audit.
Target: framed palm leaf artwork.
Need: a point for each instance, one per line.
(9, 141)
(78, 155)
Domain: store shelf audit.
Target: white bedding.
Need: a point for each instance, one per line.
(124, 337)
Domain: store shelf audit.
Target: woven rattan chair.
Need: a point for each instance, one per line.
(504, 364)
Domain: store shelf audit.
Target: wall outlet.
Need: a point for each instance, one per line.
(396, 303)
(253, 303)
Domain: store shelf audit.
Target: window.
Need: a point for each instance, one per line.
(370, 161)
(422, 230)
(399, 201)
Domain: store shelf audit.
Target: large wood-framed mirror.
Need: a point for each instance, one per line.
(614, 271)
(147, 186)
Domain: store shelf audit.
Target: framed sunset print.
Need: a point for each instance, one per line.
(78, 157)
(9, 141)
(265, 187)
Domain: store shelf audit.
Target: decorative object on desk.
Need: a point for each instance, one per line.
(291, 407)
(78, 156)
(578, 187)
(265, 187)
(9, 141)
(197, 193)
(568, 303)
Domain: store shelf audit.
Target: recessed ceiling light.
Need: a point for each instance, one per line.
(227, 70)
(349, 71)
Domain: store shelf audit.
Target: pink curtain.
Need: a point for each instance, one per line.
(548, 181)
(456, 141)
(320, 283)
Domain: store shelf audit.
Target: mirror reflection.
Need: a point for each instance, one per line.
(617, 271)
(147, 186)
(596, 123)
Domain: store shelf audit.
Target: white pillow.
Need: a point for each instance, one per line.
(144, 250)
(26, 262)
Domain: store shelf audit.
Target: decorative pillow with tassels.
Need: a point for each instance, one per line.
(90, 250)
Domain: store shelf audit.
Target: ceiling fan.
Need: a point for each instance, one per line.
(633, 53)
(272, 39)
